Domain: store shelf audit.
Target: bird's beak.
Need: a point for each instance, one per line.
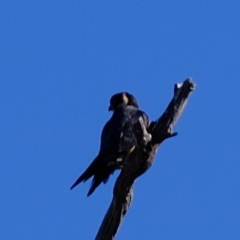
(110, 108)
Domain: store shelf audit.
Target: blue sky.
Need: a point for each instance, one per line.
(61, 61)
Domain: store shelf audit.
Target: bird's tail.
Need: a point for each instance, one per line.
(101, 177)
(95, 183)
(100, 171)
(87, 174)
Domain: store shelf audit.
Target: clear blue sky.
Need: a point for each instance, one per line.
(60, 62)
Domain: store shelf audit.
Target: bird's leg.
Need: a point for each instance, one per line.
(147, 137)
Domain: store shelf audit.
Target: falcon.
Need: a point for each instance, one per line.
(125, 130)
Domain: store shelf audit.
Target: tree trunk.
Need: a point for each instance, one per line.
(141, 160)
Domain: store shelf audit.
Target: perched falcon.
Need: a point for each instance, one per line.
(120, 136)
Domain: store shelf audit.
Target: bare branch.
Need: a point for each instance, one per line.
(141, 160)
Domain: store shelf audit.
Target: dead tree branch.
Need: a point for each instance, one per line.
(141, 160)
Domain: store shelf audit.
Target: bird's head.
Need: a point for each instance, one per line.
(122, 99)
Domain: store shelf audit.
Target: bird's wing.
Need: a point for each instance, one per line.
(118, 135)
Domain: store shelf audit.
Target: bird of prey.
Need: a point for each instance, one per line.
(120, 136)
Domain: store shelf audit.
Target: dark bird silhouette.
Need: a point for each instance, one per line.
(120, 136)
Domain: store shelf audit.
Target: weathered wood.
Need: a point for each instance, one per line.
(141, 160)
